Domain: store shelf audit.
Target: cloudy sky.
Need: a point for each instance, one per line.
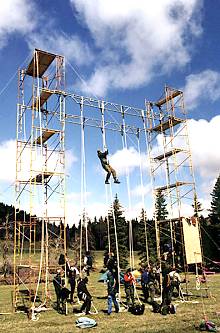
(124, 52)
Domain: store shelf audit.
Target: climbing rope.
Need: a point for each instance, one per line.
(125, 147)
(83, 186)
(143, 197)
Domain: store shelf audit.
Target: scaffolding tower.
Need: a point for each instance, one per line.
(173, 178)
(40, 177)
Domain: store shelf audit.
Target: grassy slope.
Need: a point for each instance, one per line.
(188, 314)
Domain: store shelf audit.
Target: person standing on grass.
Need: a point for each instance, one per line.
(129, 281)
(84, 295)
(112, 290)
(72, 276)
(144, 283)
(88, 262)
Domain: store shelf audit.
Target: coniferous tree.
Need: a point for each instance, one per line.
(135, 232)
(116, 213)
(197, 207)
(215, 203)
(99, 231)
(161, 213)
(213, 228)
(160, 206)
(146, 239)
(81, 237)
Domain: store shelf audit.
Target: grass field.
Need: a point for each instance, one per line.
(188, 314)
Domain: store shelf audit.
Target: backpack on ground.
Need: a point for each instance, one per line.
(156, 307)
(207, 326)
(137, 309)
(172, 309)
(85, 322)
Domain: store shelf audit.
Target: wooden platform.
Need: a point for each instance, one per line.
(39, 63)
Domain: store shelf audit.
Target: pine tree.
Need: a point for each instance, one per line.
(116, 213)
(145, 227)
(99, 231)
(81, 238)
(160, 207)
(197, 207)
(215, 203)
(161, 213)
(213, 229)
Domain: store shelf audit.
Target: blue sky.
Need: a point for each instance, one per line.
(121, 51)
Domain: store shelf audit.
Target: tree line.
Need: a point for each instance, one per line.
(100, 231)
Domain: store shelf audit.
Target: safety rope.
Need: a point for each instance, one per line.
(41, 155)
(113, 211)
(83, 186)
(143, 198)
(104, 146)
(125, 147)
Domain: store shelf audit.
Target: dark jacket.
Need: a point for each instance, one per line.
(103, 157)
(144, 277)
(111, 283)
(82, 289)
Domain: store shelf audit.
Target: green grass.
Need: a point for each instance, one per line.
(188, 314)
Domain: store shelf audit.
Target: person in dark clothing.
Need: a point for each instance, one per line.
(112, 290)
(129, 281)
(166, 287)
(58, 283)
(88, 262)
(111, 261)
(107, 167)
(144, 283)
(72, 275)
(175, 281)
(151, 284)
(84, 295)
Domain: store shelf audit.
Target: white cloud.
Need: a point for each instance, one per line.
(8, 162)
(126, 160)
(204, 139)
(139, 190)
(138, 39)
(200, 87)
(59, 43)
(8, 159)
(16, 16)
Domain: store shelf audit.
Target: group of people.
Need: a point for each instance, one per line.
(73, 276)
(150, 284)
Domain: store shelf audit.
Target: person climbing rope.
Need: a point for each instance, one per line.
(107, 167)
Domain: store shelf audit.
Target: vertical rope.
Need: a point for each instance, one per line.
(113, 211)
(147, 133)
(116, 245)
(83, 184)
(104, 146)
(124, 143)
(41, 155)
(143, 198)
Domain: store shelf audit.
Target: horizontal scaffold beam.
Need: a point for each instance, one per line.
(164, 100)
(168, 123)
(93, 103)
(168, 154)
(170, 186)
